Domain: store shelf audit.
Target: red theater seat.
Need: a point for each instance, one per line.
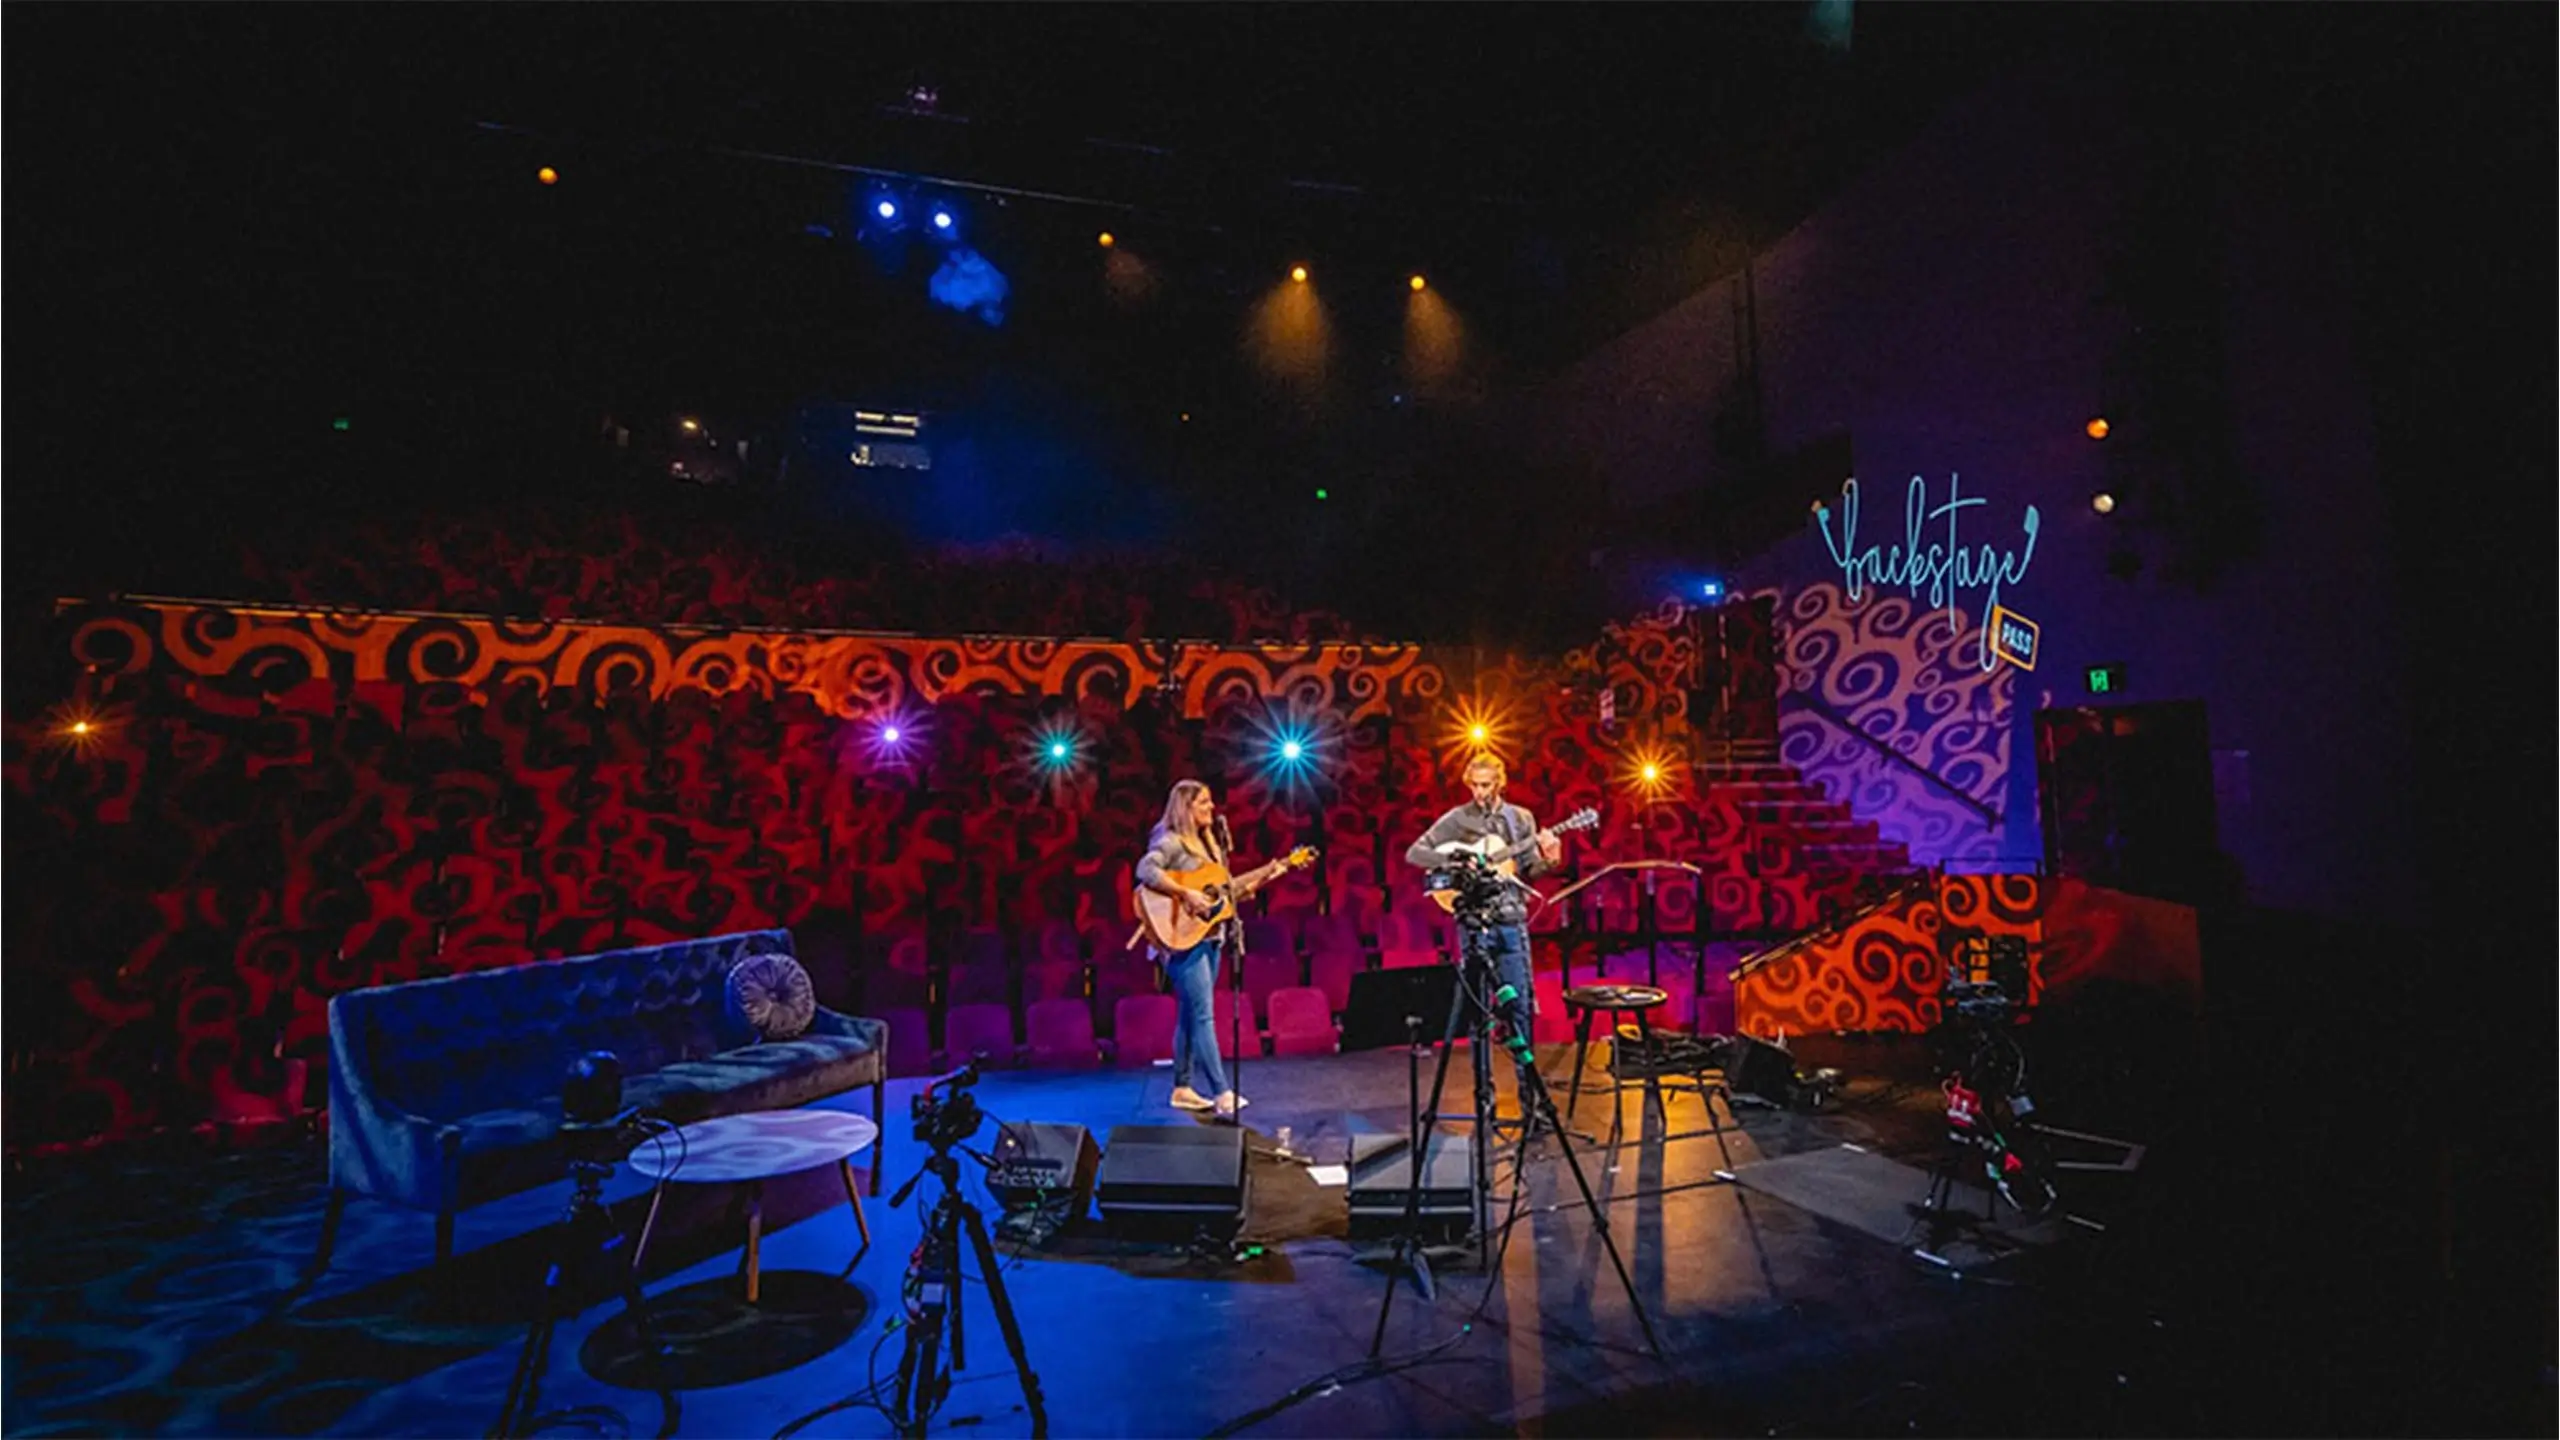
(1062, 1036)
(1330, 971)
(910, 1040)
(1302, 1022)
(971, 1030)
(1222, 1010)
(1142, 1027)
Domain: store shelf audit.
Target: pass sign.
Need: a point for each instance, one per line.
(2013, 637)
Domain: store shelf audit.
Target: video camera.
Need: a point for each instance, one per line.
(1475, 887)
(944, 1113)
(595, 1127)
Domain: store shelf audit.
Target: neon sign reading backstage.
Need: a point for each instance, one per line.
(1943, 568)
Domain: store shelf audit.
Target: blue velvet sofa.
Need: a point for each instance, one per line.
(445, 1093)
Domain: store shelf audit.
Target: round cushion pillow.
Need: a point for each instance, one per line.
(771, 995)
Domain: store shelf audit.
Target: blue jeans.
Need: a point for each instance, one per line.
(1508, 947)
(1193, 976)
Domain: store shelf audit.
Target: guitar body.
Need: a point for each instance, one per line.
(1170, 923)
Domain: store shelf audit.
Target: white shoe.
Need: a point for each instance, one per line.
(1229, 1103)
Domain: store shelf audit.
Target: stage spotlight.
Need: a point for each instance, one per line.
(1478, 734)
(1650, 772)
(1416, 282)
(1711, 589)
(691, 426)
(1289, 749)
(2103, 503)
(890, 734)
(547, 175)
(1105, 240)
(942, 221)
(2097, 428)
(79, 727)
(886, 209)
(1298, 273)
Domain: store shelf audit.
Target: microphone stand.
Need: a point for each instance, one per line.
(1235, 935)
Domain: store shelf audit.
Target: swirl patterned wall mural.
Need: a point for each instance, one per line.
(1897, 672)
(1882, 972)
(850, 676)
(271, 806)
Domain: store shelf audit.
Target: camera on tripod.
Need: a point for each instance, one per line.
(1473, 886)
(595, 1127)
(945, 1113)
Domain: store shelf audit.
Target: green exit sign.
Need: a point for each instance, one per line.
(2106, 679)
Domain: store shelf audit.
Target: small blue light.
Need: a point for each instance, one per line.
(1057, 749)
(886, 209)
(941, 219)
(1711, 589)
(1291, 749)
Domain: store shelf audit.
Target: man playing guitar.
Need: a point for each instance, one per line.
(1485, 817)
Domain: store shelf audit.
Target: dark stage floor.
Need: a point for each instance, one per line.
(143, 1291)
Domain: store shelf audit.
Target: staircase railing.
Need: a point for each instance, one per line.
(1902, 890)
(1842, 722)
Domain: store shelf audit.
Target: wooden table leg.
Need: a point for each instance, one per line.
(755, 1236)
(657, 1198)
(853, 1193)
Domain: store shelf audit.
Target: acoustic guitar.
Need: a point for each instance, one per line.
(1170, 923)
(1505, 857)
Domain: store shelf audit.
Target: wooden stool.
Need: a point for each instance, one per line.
(1584, 1003)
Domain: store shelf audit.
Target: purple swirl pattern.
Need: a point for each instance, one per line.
(1898, 673)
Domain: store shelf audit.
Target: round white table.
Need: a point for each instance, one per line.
(751, 1149)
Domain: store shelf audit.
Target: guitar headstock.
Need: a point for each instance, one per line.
(1300, 858)
(1582, 819)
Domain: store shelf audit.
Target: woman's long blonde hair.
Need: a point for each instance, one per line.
(1177, 811)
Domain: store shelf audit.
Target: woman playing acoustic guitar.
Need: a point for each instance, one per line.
(1186, 864)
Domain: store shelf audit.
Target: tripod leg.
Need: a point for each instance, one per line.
(1599, 1215)
(1005, 1321)
(917, 1368)
(1408, 1249)
(1481, 1208)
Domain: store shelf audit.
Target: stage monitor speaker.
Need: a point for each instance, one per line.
(1037, 1161)
(1172, 1178)
(1760, 1070)
(1382, 1171)
(1373, 1018)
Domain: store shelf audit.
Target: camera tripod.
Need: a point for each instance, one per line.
(1989, 1122)
(1499, 1011)
(931, 1292)
(588, 1237)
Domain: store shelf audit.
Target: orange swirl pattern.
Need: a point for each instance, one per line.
(851, 676)
(1883, 972)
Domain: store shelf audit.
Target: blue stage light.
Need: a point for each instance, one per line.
(942, 221)
(1291, 750)
(1711, 589)
(886, 209)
